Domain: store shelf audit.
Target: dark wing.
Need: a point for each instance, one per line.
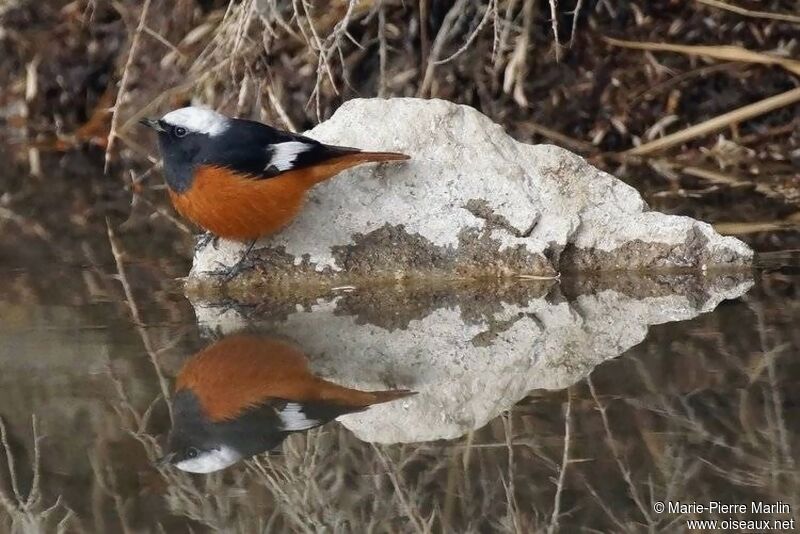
(296, 416)
(263, 427)
(261, 151)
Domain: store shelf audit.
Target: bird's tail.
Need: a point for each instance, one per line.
(345, 159)
(361, 400)
(374, 157)
(379, 397)
(355, 399)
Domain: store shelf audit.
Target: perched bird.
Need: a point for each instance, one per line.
(241, 179)
(244, 395)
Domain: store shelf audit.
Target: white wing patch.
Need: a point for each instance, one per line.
(284, 154)
(294, 419)
(198, 120)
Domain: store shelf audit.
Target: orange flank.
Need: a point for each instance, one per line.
(240, 207)
(244, 371)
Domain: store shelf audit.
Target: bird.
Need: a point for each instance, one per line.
(241, 179)
(244, 394)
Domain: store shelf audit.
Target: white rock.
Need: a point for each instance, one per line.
(471, 199)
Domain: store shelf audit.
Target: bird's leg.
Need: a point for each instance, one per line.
(237, 267)
(204, 239)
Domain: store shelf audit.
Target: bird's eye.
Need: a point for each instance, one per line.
(180, 131)
(191, 452)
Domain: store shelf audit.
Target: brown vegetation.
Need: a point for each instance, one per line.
(693, 102)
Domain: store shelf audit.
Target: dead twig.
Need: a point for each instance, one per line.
(28, 514)
(783, 17)
(410, 508)
(490, 8)
(554, 24)
(612, 444)
(516, 70)
(136, 317)
(754, 227)
(553, 526)
(438, 43)
(112, 134)
(583, 147)
(575, 14)
(725, 53)
(382, 54)
(717, 123)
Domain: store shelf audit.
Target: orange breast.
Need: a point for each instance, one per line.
(243, 371)
(237, 207)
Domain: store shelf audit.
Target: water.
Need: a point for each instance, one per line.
(576, 404)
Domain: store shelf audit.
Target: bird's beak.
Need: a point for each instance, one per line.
(152, 123)
(165, 460)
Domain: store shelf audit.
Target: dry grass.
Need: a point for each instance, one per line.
(544, 69)
(27, 514)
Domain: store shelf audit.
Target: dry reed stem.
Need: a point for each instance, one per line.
(770, 352)
(136, 317)
(28, 226)
(411, 510)
(382, 53)
(323, 60)
(106, 480)
(554, 24)
(26, 513)
(575, 14)
(717, 123)
(603, 505)
(112, 133)
(553, 526)
(12, 471)
(161, 39)
(612, 445)
(583, 147)
(727, 179)
(490, 9)
(424, 38)
(438, 44)
(783, 17)
(516, 70)
(509, 485)
(722, 52)
(279, 109)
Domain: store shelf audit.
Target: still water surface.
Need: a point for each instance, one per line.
(572, 405)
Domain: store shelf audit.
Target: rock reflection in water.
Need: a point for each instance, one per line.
(471, 354)
(245, 394)
(695, 399)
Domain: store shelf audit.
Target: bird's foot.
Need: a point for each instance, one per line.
(235, 269)
(206, 238)
(228, 273)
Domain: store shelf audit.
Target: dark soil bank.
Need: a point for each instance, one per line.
(65, 65)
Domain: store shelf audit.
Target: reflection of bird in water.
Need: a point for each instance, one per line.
(244, 394)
